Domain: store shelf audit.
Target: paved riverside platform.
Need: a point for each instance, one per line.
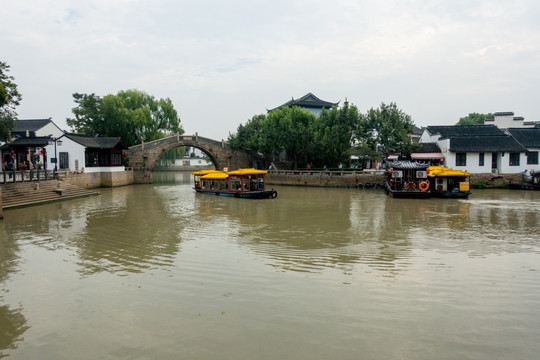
(23, 194)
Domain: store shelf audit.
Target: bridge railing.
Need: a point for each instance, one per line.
(179, 138)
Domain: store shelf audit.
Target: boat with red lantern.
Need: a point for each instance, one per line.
(407, 179)
(241, 183)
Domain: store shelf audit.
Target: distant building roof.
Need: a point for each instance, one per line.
(417, 131)
(308, 101)
(452, 131)
(504, 143)
(528, 137)
(98, 142)
(504, 113)
(30, 125)
(429, 148)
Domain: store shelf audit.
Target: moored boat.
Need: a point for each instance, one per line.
(241, 183)
(407, 179)
(448, 183)
(532, 182)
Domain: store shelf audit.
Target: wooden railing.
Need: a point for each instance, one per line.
(25, 175)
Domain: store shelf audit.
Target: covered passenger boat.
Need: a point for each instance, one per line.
(407, 179)
(448, 183)
(241, 183)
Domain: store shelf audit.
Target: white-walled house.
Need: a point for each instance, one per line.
(87, 153)
(530, 139)
(484, 148)
(28, 140)
(507, 120)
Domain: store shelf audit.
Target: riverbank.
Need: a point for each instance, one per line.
(347, 179)
(369, 179)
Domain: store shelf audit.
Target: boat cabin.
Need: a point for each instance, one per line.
(248, 183)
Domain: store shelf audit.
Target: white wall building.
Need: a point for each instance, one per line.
(86, 153)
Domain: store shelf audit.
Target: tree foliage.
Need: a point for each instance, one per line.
(10, 98)
(328, 139)
(387, 127)
(474, 119)
(133, 115)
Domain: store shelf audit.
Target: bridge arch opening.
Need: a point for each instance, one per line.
(185, 158)
(144, 157)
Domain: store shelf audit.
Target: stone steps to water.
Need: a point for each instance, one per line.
(33, 193)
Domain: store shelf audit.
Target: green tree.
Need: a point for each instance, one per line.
(10, 98)
(387, 127)
(335, 133)
(474, 119)
(133, 115)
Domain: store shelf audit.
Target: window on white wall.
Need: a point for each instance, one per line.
(514, 159)
(532, 158)
(461, 159)
(481, 159)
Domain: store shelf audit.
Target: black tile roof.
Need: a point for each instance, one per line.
(406, 164)
(465, 130)
(98, 142)
(429, 148)
(30, 125)
(28, 141)
(485, 144)
(308, 101)
(528, 137)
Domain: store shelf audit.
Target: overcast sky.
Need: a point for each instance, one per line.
(222, 62)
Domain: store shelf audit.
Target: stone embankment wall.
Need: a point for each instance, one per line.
(495, 180)
(325, 179)
(366, 179)
(100, 179)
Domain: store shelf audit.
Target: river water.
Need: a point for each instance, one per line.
(160, 272)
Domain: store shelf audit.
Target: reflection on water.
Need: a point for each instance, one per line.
(158, 271)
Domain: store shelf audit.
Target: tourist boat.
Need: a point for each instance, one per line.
(448, 183)
(241, 183)
(407, 179)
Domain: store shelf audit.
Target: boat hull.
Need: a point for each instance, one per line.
(265, 194)
(406, 194)
(451, 195)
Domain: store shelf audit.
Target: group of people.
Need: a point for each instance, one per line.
(527, 177)
(10, 166)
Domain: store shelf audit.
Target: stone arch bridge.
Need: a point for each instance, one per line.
(143, 157)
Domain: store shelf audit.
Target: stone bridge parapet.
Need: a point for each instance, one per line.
(143, 157)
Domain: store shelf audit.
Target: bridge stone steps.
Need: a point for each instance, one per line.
(33, 193)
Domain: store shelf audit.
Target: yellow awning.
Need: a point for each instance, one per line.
(203, 172)
(215, 175)
(444, 171)
(247, 172)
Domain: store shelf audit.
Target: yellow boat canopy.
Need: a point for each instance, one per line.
(444, 171)
(215, 175)
(203, 172)
(247, 172)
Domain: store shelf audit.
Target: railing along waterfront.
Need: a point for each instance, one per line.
(25, 175)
